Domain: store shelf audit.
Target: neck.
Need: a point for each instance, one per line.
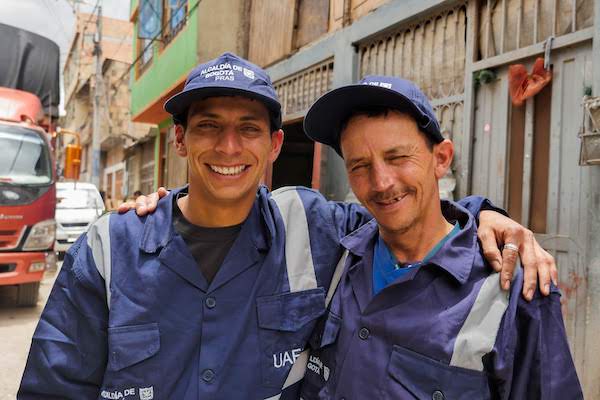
(211, 213)
(414, 243)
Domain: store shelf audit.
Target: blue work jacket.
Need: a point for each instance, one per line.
(132, 317)
(445, 330)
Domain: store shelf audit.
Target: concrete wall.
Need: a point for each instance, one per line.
(222, 26)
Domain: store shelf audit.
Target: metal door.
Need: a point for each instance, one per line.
(569, 200)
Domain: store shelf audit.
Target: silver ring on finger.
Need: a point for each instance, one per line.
(511, 246)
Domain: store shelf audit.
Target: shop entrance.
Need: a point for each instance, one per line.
(294, 167)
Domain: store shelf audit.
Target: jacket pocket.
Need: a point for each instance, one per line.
(326, 331)
(320, 371)
(426, 378)
(133, 364)
(286, 322)
(129, 345)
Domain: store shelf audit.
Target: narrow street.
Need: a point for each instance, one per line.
(16, 328)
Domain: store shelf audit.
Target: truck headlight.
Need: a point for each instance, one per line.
(41, 236)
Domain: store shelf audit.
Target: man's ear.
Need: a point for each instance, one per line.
(180, 147)
(443, 153)
(276, 144)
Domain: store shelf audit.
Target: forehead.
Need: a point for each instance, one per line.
(229, 106)
(364, 132)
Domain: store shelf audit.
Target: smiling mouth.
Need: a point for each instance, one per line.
(389, 202)
(228, 171)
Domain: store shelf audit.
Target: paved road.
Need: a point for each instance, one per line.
(16, 328)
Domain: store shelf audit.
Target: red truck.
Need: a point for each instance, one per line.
(27, 195)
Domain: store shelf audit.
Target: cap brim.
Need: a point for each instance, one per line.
(324, 118)
(179, 103)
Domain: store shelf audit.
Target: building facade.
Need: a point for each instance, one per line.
(117, 131)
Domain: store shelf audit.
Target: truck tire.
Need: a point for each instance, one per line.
(27, 294)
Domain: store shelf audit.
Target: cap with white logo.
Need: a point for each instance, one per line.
(325, 117)
(226, 75)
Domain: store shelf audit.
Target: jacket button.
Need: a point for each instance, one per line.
(438, 395)
(210, 302)
(208, 375)
(364, 334)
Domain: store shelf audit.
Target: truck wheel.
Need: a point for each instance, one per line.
(27, 294)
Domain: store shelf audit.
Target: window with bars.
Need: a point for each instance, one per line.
(507, 25)
(430, 52)
(297, 92)
(174, 18)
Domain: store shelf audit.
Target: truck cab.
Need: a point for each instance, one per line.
(27, 195)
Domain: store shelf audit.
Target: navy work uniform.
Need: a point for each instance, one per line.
(442, 330)
(132, 317)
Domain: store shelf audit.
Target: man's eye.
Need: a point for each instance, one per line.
(250, 129)
(359, 167)
(207, 125)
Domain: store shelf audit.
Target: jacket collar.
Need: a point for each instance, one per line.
(456, 255)
(159, 229)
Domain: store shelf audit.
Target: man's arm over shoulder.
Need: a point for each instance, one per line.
(68, 352)
(533, 359)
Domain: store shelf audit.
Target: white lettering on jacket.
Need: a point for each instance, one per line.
(117, 394)
(284, 358)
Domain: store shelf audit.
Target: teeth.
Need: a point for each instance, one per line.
(228, 170)
(391, 201)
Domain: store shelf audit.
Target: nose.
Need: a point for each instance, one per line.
(381, 177)
(229, 142)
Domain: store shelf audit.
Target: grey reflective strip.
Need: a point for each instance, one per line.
(98, 238)
(299, 368)
(298, 256)
(478, 334)
(335, 280)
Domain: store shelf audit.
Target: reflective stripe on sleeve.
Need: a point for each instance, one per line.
(98, 238)
(478, 334)
(298, 256)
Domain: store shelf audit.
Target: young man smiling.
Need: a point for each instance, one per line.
(215, 294)
(418, 313)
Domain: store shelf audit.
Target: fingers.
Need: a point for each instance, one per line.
(489, 247)
(124, 207)
(547, 269)
(530, 261)
(147, 204)
(152, 201)
(162, 192)
(509, 263)
(553, 271)
(141, 208)
(513, 238)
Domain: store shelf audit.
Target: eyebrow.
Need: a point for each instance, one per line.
(353, 161)
(206, 114)
(404, 148)
(390, 152)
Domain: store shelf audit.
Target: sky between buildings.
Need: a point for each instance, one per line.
(55, 19)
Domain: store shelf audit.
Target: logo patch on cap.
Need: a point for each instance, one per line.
(248, 73)
(380, 84)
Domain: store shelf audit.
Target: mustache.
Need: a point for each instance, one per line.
(390, 194)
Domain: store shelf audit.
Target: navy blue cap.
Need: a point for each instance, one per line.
(226, 75)
(324, 119)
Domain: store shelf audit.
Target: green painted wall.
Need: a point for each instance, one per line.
(167, 65)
